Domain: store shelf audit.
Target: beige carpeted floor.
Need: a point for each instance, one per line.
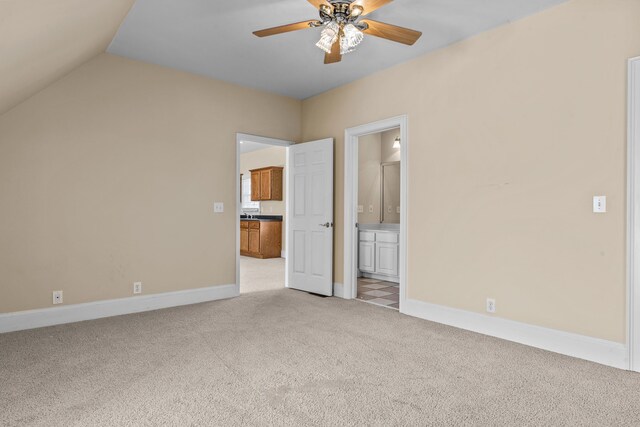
(288, 358)
(258, 275)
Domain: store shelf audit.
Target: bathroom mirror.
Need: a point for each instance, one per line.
(390, 193)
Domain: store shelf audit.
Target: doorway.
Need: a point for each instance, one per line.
(375, 215)
(261, 214)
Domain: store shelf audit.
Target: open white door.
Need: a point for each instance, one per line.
(310, 222)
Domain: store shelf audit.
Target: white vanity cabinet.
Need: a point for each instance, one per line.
(378, 255)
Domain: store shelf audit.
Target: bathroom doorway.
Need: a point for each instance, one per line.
(375, 203)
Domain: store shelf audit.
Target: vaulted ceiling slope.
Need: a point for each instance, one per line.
(214, 38)
(42, 40)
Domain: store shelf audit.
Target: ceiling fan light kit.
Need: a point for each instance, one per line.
(344, 29)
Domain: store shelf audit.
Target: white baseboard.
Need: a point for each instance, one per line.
(21, 320)
(593, 349)
(283, 254)
(338, 290)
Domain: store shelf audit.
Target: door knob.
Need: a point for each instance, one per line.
(327, 225)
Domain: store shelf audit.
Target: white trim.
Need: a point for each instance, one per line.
(338, 290)
(31, 319)
(268, 141)
(283, 254)
(593, 349)
(633, 215)
(351, 203)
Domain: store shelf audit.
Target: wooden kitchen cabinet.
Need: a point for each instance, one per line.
(261, 239)
(244, 236)
(266, 183)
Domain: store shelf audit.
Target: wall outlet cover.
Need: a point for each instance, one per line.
(360, 209)
(218, 207)
(57, 297)
(491, 305)
(137, 288)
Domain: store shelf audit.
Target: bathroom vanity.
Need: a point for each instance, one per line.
(379, 251)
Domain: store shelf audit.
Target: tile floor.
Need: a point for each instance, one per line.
(379, 292)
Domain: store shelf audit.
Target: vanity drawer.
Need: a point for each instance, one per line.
(244, 224)
(387, 237)
(367, 236)
(254, 224)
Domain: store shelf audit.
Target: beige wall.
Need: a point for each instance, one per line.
(387, 139)
(42, 40)
(511, 134)
(273, 156)
(369, 152)
(373, 150)
(109, 176)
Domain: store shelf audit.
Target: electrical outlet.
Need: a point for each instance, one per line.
(360, 209)
(137, 288)
(397, 209)
(491, 305)
(57, 297)
(218, 207)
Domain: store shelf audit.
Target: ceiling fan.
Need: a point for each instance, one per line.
(344, 27)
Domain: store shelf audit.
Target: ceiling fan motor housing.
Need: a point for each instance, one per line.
(342, 12)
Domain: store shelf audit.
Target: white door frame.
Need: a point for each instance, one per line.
(350, 286)
(633, 215)
(268, 141)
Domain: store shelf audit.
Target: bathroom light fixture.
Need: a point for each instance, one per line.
(396, 143)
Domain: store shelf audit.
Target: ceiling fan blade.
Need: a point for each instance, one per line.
(334, 56)
(285, 28)
(317, 3)
(371, 5)
(392, 32)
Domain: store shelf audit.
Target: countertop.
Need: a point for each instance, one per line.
(264, 218)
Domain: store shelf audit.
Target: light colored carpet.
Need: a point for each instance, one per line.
(258, 275)
(288, 358)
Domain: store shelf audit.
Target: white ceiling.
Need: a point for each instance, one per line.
(214, 38)
(248, 147)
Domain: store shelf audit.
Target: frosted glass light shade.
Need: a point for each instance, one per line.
(351, 39)
(329, 36)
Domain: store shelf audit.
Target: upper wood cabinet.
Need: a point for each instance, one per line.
(266, 183)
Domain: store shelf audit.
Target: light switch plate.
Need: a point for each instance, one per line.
(600, 204)
(360, 209)
(218, 207)
(397, 209)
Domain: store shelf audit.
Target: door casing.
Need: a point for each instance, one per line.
(262, 140)
(633, 216)
(350, 285)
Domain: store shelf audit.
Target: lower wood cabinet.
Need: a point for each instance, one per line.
(261, 239)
